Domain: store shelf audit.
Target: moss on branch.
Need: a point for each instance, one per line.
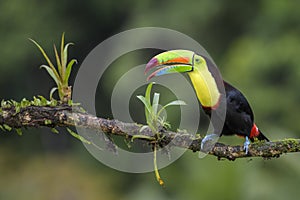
(64, 116)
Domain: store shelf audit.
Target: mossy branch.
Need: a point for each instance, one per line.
(64, 116)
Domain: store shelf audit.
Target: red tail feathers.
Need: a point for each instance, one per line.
(256, 133)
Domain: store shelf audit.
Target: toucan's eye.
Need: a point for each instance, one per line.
(197, 60)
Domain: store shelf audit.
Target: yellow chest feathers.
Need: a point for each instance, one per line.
(205, 87)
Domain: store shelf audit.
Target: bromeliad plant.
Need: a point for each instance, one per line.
(153, 112)
(62, 73)
(155, 120)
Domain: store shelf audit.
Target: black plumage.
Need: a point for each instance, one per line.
(239, 118)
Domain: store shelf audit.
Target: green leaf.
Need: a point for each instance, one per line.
(1, 127)
(24, 103)
(44, 101)
(59, 65)
(62, 44)
(47, 122)
(53, 102)
(143, 128)
(146, 104)
(36, 101)
(148, 99)
(68, 71)
(14, 103)
(3, 103)
(54, 130)
(65, 53)
(166, 124)
(52, 92)
(175, 103)
(17, 109)
(19, 131)
(70, 102)
(45, 56)
(81, 109)
(155, 103)
(172, 103)
(79, 137)
(8, 128)
(52, 74)
(148, 91)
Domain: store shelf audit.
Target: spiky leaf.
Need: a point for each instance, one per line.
(146, 104)
(44, 54)
(62, 44)
(172, 103)
(68, 71)
(52, 92)
(59, 64)
(65, 53)
(155, 103)
(148, 99)
(52, 74)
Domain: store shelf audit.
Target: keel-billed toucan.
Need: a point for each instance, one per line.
(238, 118)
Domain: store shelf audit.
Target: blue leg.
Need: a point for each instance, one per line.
(208, 142)
(246, 145)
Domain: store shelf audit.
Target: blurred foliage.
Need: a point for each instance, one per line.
(255, 44)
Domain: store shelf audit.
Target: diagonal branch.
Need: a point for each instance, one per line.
(64, 115)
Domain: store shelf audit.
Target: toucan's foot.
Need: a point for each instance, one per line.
(209, 142)
(246, 145)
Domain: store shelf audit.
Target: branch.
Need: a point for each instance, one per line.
(63, 116)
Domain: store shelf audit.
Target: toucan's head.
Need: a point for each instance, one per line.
(201, 75)
(175, 61)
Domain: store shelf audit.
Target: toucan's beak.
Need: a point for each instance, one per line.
(171, 62)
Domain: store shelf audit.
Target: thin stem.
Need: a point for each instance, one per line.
(158, 178)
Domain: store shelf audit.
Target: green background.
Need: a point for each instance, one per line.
(256, 45)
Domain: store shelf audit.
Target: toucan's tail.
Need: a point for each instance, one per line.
(256, 133)
(262, 137)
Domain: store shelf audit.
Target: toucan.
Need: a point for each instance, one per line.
(208, 84)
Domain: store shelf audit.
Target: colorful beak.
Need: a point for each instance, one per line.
(175, 61)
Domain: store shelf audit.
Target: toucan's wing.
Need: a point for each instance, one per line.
(239, 115)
